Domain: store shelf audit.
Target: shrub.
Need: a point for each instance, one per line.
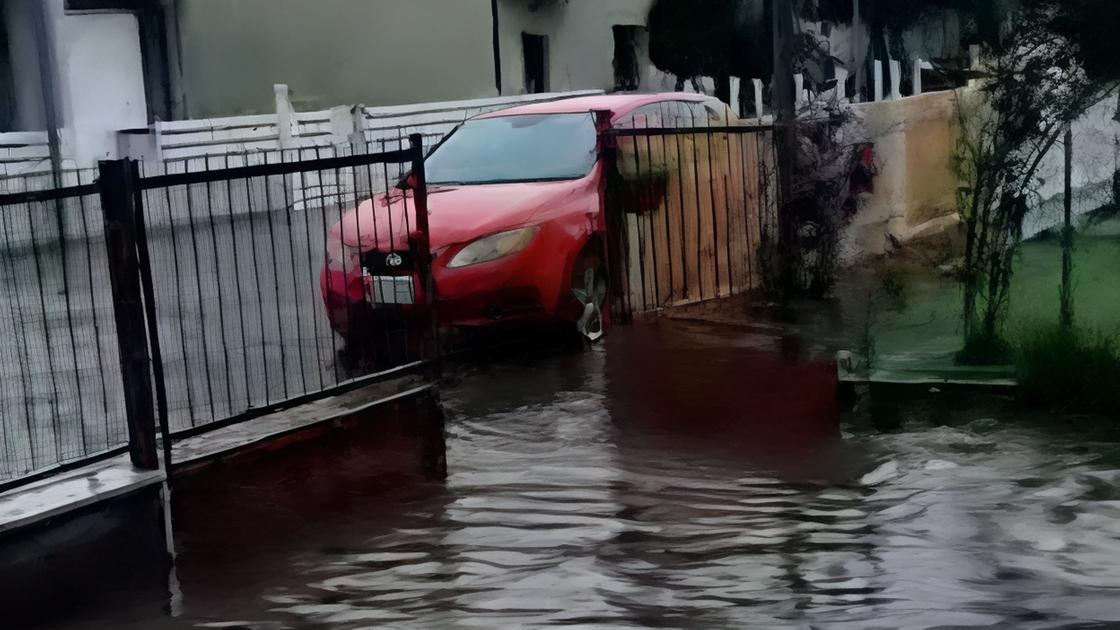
(1069, 369)
(984, 348)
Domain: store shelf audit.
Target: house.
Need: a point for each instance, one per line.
(89, 68)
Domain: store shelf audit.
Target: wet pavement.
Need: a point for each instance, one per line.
(680, 475)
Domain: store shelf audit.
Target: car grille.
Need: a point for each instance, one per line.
(374, 261)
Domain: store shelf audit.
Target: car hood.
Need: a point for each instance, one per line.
(459, 214)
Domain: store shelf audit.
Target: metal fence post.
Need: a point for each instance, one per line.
(613, 222)
(119, 187)
(424, 243)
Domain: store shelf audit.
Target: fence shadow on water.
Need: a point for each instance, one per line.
(234, 253)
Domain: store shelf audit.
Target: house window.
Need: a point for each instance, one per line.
(535, 49)
(627, 40)
(7, 84)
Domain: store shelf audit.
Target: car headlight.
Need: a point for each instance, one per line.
(342, 257)
(494, 247)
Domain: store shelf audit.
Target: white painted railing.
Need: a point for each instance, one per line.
(24, 152)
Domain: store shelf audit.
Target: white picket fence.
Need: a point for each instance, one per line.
(23, 152)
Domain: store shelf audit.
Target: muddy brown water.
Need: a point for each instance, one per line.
(681, 475)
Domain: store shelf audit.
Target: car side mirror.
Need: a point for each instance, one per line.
(408, 182)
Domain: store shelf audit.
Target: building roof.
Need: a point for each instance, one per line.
(617, 104)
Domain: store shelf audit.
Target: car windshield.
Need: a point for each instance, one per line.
(515, 149)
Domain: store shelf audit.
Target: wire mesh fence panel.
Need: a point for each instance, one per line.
(61, 396)
(689, 207)
(265, 279)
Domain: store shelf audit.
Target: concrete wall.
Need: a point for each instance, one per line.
(332, 51)
(914, 192)
(580, 40)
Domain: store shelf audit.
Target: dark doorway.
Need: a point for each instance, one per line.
(536, 62)
(7, 87)
(627, 74)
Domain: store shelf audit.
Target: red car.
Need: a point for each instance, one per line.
(514, 213)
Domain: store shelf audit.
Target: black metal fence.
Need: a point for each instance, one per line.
(213, 279)
(690, 213)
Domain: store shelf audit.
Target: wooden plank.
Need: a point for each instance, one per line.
(221, 149)
(212, 124)
(489, 104)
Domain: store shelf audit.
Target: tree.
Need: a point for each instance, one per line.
(1038, 82)
(716, 38)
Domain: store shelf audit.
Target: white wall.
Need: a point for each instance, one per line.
(100, 80)
(1096, 156)
(580, 41)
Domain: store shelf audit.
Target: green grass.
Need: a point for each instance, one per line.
(926, 333)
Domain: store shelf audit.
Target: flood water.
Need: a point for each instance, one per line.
(681, 475)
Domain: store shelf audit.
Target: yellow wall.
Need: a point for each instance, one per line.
(915, 190)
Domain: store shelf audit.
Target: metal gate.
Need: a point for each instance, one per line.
(689, 212)
(195, 300)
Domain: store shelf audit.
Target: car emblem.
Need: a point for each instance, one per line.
(394, 260)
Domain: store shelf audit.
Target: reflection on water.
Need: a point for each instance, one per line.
(679, 476)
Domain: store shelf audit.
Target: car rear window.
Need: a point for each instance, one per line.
(528, 148)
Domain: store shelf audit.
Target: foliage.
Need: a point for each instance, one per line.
(717, 38)
(893, 288)
(1069, 369)
(829, 172)
(1036, 86)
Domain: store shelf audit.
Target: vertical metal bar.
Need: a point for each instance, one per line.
(64, 263)
(612, 222)
(699, 232)
(256, 275)
(642, 198)
(239, 297)
(295, 285)
(94, 317)
(323, 222)
(680, 188)
(19, 323)
(310, 270)
(345, 271)
(357, 225)
(203, 329)
(715, 226)
(423, 245)
(649, 222)
(118, 195)
(173, 235)
(668, 231)
(46, 332)
(747, 201)
(149, 298)
(727, 215)
(384, 330)
(218, 281)
(275, 273)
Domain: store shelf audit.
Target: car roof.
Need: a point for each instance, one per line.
(617, 104)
